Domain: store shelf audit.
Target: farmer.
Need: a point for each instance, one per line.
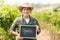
(25, 19)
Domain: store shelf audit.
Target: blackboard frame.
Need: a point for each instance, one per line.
(32, 27)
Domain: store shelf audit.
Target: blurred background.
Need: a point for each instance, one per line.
(47, 13)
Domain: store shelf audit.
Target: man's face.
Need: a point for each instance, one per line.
(26, 11)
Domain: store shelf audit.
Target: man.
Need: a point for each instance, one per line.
(25, 19)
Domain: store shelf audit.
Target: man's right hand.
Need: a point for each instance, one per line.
(18, 37)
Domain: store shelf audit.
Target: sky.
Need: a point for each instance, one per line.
(32, 1)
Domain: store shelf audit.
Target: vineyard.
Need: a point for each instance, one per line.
(46, 20)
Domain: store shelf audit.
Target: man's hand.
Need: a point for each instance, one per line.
(37, 28)
(18, 37)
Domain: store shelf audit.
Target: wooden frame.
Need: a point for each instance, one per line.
(28, 31)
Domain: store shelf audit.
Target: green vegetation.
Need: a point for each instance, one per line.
(9, 13)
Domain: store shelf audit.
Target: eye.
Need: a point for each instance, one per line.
(24, 9)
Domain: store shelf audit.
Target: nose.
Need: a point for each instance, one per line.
(25, 10)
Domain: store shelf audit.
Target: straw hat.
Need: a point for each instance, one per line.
(25, 5)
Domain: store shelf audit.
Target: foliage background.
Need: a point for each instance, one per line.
(9, 13)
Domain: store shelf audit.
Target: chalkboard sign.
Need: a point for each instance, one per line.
(28, 31)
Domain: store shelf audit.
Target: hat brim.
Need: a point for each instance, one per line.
(20, 8)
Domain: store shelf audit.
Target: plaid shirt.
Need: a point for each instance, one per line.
(20, 21)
